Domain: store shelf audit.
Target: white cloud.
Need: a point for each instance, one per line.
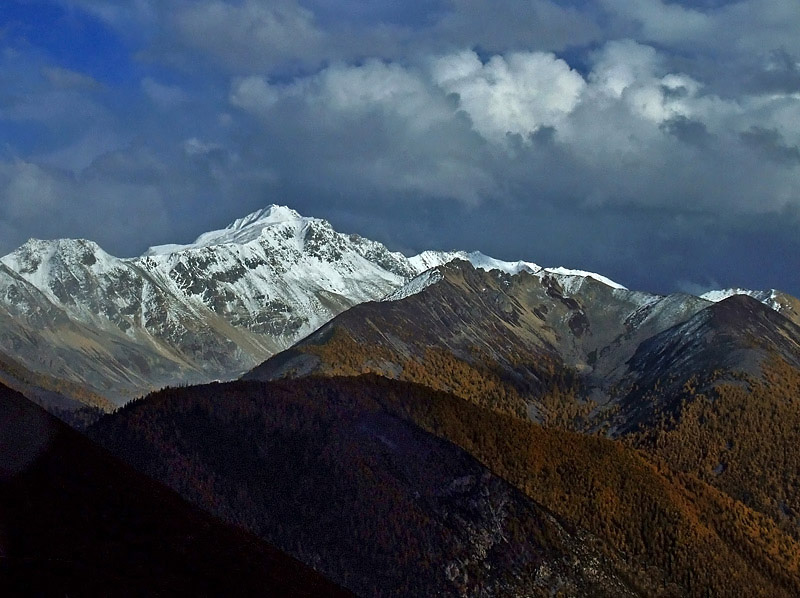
(343, 91)
(517, 93)
(197, 147)
(636, 76)
(513, 94)
(633, 132)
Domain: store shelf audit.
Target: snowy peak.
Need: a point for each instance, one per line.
(270, 215)
(432, 259)
(239, 232)
(38, 261)
(769, 297)
(572, 279)
(249, 228)
(39, 249)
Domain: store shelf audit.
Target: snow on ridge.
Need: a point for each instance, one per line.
(561, 271)
(239, 232)
(415, 285)
(768, 298)
(432, 259)
(570, 279)
(252, 227)
(484, 262)
(272, 214)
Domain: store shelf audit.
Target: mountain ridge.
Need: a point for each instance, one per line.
(212, 309)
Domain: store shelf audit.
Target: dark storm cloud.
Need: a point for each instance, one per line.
(770, 143)
(691, 132)
(655, 142)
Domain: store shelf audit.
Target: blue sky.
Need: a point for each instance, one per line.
(69, 38)
(655, 142)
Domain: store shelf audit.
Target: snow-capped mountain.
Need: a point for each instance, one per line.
(567, 277)
(186, 313)
(208, 310)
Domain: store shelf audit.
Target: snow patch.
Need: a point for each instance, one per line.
(415, 285)
(581, 274)
(432, 259)
(768, 298)
(240, 232)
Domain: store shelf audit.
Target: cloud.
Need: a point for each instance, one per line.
(631, 133)
(770, 144)
(505, 25)
(164, 96)
(249, 34)
(49, 203)
(640, 138)
(28, 191)
(253, 94)
(779, 73)
(372, 128)
(746, 27)
(660, 21)
(61, 78)
(514, 94)
(691, 132)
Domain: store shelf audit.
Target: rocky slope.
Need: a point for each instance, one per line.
(709, 387)
(527, 333)
(189, 313)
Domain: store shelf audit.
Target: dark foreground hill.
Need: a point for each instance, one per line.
(376, 482)
(75, 521)
(331, 474)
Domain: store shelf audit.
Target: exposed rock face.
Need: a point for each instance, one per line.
(182, 314)
(532, 332)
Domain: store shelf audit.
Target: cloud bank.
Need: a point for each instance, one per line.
(658, 143)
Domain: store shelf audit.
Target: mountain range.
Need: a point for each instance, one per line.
(444, 424)
(655, 372)
(110, 329)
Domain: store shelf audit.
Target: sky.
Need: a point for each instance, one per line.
(657, 143)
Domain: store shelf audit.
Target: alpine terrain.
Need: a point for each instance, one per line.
(445, 424)
(111, 329)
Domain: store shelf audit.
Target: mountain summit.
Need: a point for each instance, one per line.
(239, 232)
